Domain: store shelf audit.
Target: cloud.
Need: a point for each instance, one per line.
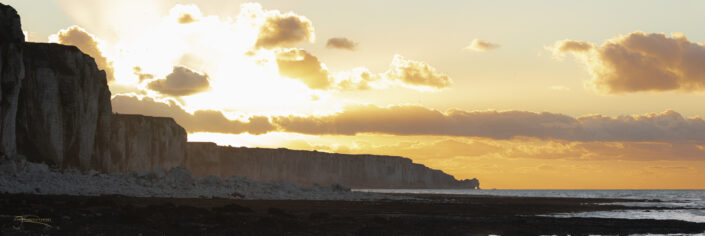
(639, 62)
(199, 121)
(141, 76)
(481, 45)
(185, 14)
(643, 151)
(341, 43)
(302, 65)
(565, 46)
(182, 81)
(359, 79)
(88, 44)
(402, 72)
(427, 149)
(283, 29)
(186, 19)
(416, 74)
(299, 64)
(416, 120)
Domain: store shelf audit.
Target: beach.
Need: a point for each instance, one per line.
(416, 214)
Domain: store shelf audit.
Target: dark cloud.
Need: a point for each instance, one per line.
(416, 120)
(512, 134)
(282, 30)
(341, 43)
(182, 81)
(199, 121)
(416, 74)
(299, 64)
(641, 62)
(88, 44)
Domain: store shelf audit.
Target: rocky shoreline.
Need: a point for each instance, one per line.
(425, 215)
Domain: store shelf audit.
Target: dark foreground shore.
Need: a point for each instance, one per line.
(431, 215)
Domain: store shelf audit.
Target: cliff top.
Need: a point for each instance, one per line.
(139, 116)
(153, 120)
(55, 56)
(315, 152)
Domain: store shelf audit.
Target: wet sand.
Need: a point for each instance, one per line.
(426, 215)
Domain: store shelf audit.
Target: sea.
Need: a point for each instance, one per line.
(685, 205)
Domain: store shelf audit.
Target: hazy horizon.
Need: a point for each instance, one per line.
(537, 95)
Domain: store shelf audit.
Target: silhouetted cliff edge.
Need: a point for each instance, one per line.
(55, 108)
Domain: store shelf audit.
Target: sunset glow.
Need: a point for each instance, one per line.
(520, 95)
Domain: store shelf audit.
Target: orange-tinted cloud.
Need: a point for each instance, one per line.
(283, 30)
(402, 72)
(641, 62)
(416, 120)
(341, 43)
(416, 74)
(359, 79)
(481, 45)
(199, 121)
(668, 131)
(299, 64)
(438, 147)
(182, 81)
(88, 44)
(565, 46)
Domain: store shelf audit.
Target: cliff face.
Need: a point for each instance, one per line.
(146, 143)
(64, 108)
(204, 159)
(55, 108)
(11, 75)
(310, 167)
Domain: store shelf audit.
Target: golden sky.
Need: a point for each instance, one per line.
(552, 94)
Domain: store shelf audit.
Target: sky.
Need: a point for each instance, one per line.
(519, 94)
